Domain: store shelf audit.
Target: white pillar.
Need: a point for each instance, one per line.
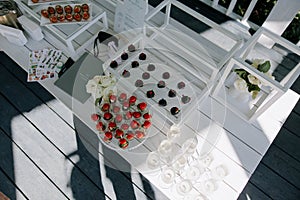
(280, 17)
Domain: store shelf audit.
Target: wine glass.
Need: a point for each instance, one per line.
(193, 173)
(207, 160)
(209, 186)
(173, 132)
(179, 163)
(184, 187)
(190, 146)
(153, 160)
(165, 150)
(220, 172)
(167, 177)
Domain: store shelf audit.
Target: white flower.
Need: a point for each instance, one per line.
(240, 84)
(253, 80)
(91, 86)
(254, 94)
(256, 62)
(101, 86)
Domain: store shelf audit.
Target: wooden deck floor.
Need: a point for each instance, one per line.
(35, 155)
(25, 155)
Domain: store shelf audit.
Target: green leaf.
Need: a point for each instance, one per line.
(252, 87)
(98, 101)
(264, 67)
(241, 73)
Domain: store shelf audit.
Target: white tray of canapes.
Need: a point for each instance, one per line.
(66, 14)
(38, 2)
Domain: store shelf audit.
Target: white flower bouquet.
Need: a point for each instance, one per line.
(248, 82)
(101, 87)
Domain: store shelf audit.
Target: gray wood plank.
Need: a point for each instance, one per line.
(8, 187)
(252, 192)
(279, 189)
(289, 143)
(283, 164)
(39, 187)
(292, 123)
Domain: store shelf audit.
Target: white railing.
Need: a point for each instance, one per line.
(278, 20)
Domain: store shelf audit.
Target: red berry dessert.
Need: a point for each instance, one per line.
(118, 118)
(100, 126)
(146, 124)
(125, 105)
(119, 133)
(124, 126)
(123, 143)
(116, 109)
(112, 126)
(112, 98)
(107, 116)
(95, 117)
(107, 136)
(105, 107)
(129, 135)
(139, 134)
(132, 100)
(128, 115)
(147, 116)
(134, 124)
(122, 97)
(142, 106)
(136, 115)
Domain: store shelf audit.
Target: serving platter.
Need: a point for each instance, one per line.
(124, 121)
(39, 2)
(50, 16)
